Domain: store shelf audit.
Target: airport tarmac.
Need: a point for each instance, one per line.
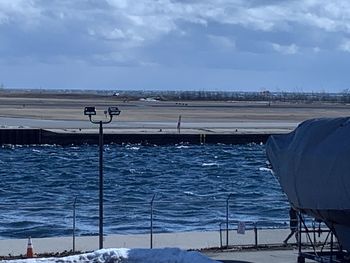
(65, 111)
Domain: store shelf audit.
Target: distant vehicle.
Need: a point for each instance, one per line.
(312, 165)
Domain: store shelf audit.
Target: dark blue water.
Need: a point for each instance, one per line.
(39, 184)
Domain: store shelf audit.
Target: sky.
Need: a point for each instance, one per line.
(219, 45)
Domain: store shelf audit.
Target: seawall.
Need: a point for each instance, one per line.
(41, 136)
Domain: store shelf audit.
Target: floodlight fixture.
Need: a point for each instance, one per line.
(89, 111)
(113, 111)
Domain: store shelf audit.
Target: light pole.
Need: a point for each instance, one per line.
(90, 111)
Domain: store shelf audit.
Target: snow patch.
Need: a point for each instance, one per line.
(124, 255)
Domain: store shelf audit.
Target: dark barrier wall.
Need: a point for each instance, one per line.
(20, 136)
(38, 136)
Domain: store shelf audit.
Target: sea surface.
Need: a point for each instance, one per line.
(190, 185)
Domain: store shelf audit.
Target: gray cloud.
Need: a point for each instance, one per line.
(100, 28)
(257, 35)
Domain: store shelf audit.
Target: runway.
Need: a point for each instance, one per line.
(65, 111)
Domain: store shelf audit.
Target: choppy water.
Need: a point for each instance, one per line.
(39, 183)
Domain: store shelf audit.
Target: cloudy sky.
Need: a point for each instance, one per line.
(249, 45)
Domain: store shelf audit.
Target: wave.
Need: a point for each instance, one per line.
(135, 148)
(182, 147)
(210, 164)
(190, 183)
(264, 169)
(198, 195)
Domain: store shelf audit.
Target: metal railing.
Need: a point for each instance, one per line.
(256, 227)
(327, 250)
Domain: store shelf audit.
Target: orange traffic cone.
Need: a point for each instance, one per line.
(30, 253)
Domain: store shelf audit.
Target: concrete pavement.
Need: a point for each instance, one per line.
(205, 241)
(183, 240)
(262, 256)
(78, 126)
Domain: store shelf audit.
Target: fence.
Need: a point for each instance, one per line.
(156, 216)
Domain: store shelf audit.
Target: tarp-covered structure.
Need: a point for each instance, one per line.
(312, 164)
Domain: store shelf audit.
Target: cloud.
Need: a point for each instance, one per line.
(316, 49)
(163, 15)
(222, 42)
(345, 45)
(19, 11)
(105, 29)
(287, 50)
